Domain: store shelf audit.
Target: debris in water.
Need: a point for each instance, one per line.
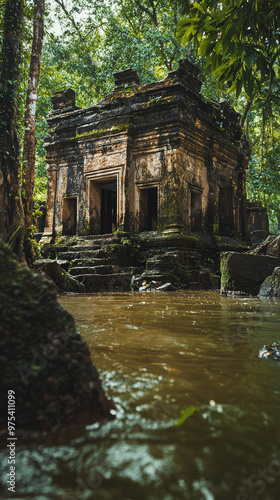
(270, 351)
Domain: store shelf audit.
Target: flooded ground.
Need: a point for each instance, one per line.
(197, 413)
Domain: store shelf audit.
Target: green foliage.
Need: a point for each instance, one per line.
(239, 39)
(240, 43)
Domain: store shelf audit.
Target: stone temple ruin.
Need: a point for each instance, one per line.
(153, 172)
(153, 157)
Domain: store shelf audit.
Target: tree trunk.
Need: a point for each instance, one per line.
(278, 221)
(11, 211)
(30, 110)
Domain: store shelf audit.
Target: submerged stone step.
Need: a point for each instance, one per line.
(103, 269)
(105, 282)
(160, 278)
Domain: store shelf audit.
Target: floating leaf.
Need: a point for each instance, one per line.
(188, 412)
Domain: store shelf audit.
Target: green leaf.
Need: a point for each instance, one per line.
(188, 412)
(249, 59)
(249, 84)
(238, 88)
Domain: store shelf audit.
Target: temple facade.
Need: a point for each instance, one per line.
(153, 157)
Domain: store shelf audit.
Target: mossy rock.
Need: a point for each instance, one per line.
(63, 281)
(271, 285)
(244, 273)
(42, 357)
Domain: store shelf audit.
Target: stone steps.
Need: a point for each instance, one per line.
(89, 262)
(101, 269)
(81, 254)
(102, 264)
(98, 269)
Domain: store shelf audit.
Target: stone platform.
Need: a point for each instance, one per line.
(121, 262)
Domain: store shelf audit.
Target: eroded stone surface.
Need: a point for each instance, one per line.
(244, 273)
(271, 285)
(63, 281)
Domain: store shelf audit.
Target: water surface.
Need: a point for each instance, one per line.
(158, 355)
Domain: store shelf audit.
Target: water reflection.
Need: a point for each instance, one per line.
(158, 355)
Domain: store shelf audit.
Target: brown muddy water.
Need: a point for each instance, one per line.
(197, 412)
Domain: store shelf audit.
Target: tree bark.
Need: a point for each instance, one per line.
(11, 211)
(29, 161)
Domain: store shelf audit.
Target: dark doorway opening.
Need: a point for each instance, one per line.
(69, 216)
(226, 225)
(148, 209)
(108, 207)
(196, 211)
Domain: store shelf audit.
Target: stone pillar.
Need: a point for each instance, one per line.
(172, 217)
(258, 223)
(52, 182)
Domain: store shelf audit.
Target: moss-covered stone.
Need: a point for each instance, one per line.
(61, 279)
(244, 273)
(271, 285)
(43, 358)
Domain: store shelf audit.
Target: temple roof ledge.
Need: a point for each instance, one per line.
(187, 73)
(126, 78)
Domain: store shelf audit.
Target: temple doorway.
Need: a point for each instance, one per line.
(69, 217)
(226, 226)
(108, 207)
(103, 206)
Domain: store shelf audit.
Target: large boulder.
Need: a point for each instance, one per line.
(244, 273)
(42, 357)
(271, 285)
(60, 277)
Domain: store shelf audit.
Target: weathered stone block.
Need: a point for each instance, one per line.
(271, 285)
(61, 279)
(245, 272)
